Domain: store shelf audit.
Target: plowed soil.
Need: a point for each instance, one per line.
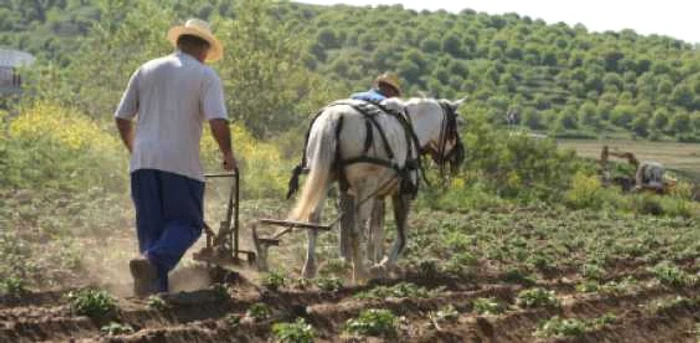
(549, 249)
(205, 315)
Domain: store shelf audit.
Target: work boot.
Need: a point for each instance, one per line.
(145, 276)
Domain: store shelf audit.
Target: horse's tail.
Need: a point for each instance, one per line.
(321, 154)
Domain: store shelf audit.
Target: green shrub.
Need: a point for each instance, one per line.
(647, 204)
(678, 207)
(586, 192)
(297, 332)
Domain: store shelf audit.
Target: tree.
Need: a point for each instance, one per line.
(328, 39)
(640, 126)
(553, 66)
(695, 119)
(267, 56)
(452, 45)
(613, 80)
(680, 123)
(567, 119)
(588, 115)
(661, 119)
(430, 45)
(622, 115)
(533, 119)
(683, 96)
(459, 67)
(409, 71)
(124, 44)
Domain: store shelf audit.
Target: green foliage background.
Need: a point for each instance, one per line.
(558, 78)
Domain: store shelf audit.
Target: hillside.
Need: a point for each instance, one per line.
(556, 77)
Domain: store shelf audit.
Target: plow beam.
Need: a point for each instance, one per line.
(262, 244)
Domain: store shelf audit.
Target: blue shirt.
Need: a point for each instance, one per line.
(372, 95)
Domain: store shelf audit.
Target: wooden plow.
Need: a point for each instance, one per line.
(262, 244)
(223, 247)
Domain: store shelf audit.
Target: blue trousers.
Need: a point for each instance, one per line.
(169, 217)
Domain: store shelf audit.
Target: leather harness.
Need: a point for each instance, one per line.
(370, 111)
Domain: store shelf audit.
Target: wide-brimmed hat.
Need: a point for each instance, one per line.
(198, 28)
(389, 79)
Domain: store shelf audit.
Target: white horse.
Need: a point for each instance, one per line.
(337, 151)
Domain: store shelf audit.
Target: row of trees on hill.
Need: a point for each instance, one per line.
(555, 77)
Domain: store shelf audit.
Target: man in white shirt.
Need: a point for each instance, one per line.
(171, 97)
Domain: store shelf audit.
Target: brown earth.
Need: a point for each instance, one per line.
(205, 315)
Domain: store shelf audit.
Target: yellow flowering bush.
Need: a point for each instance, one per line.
(586, 192)
(264, 171)
(72, 130)
(47, 146)
(59, 147)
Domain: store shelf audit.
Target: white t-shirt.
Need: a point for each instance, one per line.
(172, 96)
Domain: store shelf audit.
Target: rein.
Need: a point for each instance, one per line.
(449, 131)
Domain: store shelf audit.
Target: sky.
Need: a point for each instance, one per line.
(675, 18)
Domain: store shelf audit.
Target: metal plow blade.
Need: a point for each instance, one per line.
(262, 244)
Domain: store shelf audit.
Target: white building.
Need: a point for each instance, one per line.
(10, 62)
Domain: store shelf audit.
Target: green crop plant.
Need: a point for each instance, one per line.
(13, 286)
(671, 275)
(329, 284)
(157, 303)
(297, 332)
(92, 303)
(488, 306)
(259, 312)
(537, 297)
(274, 280)
(373, 322)
(114, 328)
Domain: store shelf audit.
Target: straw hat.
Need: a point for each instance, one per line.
(389, 79)
(198, 28)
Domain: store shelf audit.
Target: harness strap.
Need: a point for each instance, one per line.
(369, 137)
(370, 114)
